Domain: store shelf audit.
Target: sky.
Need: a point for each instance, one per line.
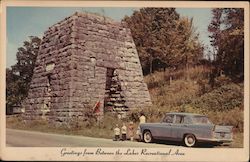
(23, 22)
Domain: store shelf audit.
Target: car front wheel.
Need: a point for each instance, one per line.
(189, 140)
(147, 137)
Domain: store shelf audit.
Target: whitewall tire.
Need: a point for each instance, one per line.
(147, 137)
(189, 140)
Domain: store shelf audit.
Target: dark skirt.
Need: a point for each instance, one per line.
(124, 137)
(117, 137)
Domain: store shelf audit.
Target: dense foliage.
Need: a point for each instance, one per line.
(227, 37)
(226, 97)
(164, 39)
(19, 76)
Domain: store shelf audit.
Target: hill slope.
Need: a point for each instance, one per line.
(190, 91)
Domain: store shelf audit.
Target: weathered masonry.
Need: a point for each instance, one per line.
(84, 59)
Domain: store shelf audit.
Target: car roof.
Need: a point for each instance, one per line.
(185, 114)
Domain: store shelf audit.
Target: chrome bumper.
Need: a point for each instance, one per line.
(214, 140)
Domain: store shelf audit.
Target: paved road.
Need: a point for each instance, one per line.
(21, 138)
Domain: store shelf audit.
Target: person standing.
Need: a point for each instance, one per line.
(142, 118)
(124, 132)
(117, 133)
(131, 131)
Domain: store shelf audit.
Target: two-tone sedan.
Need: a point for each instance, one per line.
(187, 127)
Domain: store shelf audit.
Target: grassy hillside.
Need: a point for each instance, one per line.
(190, 91)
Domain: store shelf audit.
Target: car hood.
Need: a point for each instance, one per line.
(226, 129)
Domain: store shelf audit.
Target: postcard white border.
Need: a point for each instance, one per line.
(192, 154)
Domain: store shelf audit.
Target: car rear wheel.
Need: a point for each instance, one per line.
(147, 137)
(189, 140)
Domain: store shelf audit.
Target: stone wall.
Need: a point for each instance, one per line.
(84, 59)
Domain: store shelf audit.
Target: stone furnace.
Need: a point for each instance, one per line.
(83, 60)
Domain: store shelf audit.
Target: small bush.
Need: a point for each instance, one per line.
(222, 80)
(14, 122)
(156, 80)
(224, 98)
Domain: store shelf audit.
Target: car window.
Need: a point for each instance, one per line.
(178, 119)
(169, 119)
(201, 120)
(187, 120)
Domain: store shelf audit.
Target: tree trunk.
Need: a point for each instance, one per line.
(150, 64)
(187, 74)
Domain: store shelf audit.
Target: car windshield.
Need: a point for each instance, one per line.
(201, 120)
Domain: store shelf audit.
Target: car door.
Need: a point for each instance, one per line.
(165, 127)
(178, 127)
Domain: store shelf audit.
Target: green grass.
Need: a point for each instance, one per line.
(103, 129)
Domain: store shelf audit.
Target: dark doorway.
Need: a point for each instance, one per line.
(114, 100)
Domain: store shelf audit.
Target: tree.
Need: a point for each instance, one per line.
(14, 89)
(227, 38)
(215, 29)
(26, 57)
(192, 48)
(18, 78)
(163, 38)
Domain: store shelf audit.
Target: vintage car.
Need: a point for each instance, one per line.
(187, 127)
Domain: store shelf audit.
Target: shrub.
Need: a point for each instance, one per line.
(222, 80)
(155, 80)
(223, 98)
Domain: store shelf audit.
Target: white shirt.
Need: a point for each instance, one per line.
(117, 131)
(124, 129)
(142, 119)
